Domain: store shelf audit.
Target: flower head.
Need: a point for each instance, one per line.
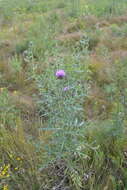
(18, 158)
(60, 74)
(66, 88)
(15, 92)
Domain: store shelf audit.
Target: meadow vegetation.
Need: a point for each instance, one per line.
(64, 132)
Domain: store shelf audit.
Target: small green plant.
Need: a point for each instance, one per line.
(63, 95)
(16, 64)
(8, 111)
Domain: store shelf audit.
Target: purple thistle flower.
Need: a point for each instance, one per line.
(66, 88)
(60, 74)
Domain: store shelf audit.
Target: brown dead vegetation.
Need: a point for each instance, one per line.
(102, 71)
(118, 20)
(21, 99)
(75, 36)
(89, 21)
(96, 104)
(118, 55)
(92, 21)
(102, 22)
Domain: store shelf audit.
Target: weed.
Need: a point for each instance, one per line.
(63, 95)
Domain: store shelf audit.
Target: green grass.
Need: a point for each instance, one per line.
(52, 138)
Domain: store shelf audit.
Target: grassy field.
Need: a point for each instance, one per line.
(68, 131)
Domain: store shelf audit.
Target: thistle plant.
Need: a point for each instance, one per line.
(62, 93)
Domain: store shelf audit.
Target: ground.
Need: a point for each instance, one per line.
(68, 133)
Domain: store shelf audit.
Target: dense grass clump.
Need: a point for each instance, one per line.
(63, 93)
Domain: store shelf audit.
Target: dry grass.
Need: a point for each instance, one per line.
(27, 136)
(97, 105)
(70, 37)
(102, 70)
